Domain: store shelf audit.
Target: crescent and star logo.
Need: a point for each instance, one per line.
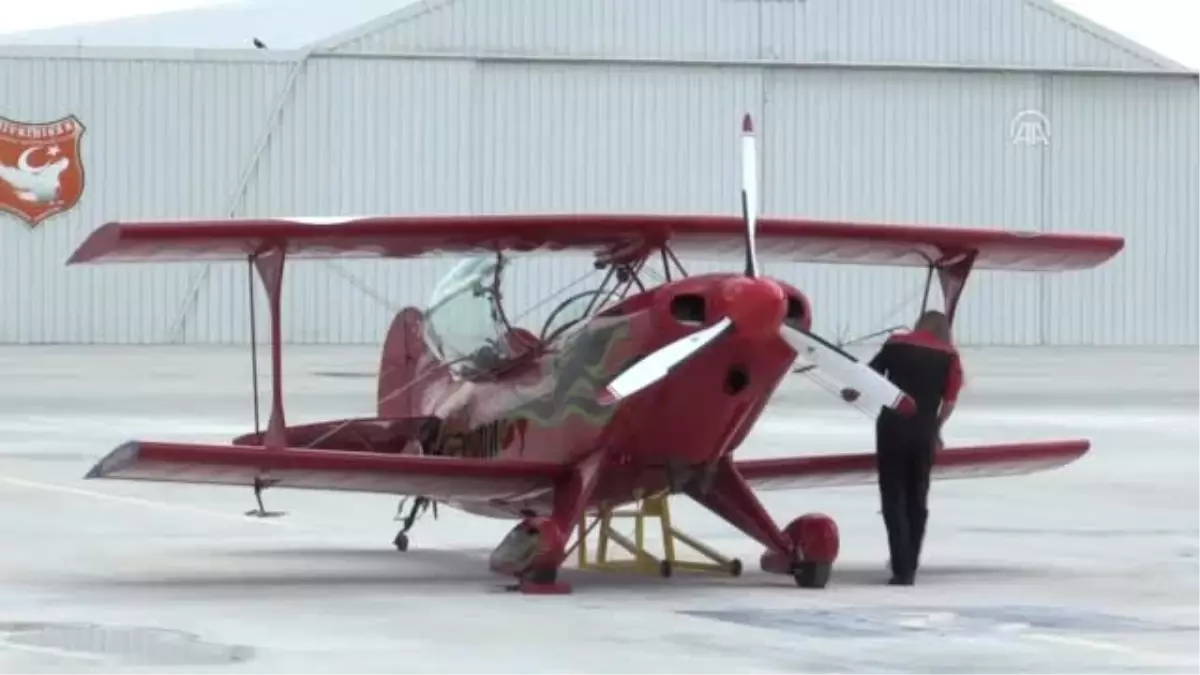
(41, 168)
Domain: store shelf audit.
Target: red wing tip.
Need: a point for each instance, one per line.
(747, 124)
(115, 461)
(606, 397)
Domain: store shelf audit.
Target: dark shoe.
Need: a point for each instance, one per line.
(901, 581)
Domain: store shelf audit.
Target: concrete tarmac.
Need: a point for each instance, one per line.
(1088, 568)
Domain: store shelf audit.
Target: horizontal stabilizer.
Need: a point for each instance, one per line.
(439, 478)
(368, 434)
(984, 461)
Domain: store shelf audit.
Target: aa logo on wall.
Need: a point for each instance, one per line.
(41, 168)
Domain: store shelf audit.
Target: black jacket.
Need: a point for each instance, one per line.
(924, 367)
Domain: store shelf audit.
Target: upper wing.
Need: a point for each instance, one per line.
(441, 478)
(983, 461)
(703, 236)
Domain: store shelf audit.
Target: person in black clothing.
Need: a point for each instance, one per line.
(925, 365)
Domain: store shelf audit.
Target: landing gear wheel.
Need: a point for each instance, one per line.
(532, 552)
(810, 574)
(664, 569)
(401, 542)
(735, 567)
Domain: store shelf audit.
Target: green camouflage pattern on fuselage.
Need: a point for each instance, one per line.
(579, 375)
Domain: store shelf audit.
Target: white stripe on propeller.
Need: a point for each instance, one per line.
(750, 194)
(875, 391)
(656, 365)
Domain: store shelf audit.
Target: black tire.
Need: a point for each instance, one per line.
(735, 567)
(664, 568)
(812, 574)
(401, 542)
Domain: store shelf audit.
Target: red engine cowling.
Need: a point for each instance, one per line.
(799, 309)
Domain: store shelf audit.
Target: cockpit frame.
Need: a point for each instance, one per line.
(503, 346)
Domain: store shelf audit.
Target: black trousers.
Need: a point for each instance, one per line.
(904, 459)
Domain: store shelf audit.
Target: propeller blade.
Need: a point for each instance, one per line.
(874, 390)
(750, 194)
(656, 365)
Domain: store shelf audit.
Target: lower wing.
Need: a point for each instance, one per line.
(439, 478)
(982, 461)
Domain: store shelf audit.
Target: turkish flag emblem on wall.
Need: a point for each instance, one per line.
(41, 168)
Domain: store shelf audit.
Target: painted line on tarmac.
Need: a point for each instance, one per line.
(137, 501)
(51, 651)
(1097, 645)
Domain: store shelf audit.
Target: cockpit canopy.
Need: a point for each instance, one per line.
(466, 325)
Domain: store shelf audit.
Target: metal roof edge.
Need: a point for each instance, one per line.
(1112, 37)
(105, 53)
(585, 59)
(205, 55)
(410, 12)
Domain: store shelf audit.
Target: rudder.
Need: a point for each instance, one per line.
(403, 351)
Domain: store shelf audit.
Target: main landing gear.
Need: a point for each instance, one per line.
(534, 551)
(804, 550)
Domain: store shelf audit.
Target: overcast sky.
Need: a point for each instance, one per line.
(1170, 27)
(22, 16)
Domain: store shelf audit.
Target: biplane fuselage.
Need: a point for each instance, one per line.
(542, 402)
(545, 406)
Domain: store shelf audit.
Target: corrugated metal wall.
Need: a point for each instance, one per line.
(375, 134)
(163, 139)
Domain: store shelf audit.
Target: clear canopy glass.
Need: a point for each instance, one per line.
(463, 321)
(467, 327)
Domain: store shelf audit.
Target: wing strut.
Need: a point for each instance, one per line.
(928, 287)
(269, 265)
(952, 272)
(253, 343)
(953, 278)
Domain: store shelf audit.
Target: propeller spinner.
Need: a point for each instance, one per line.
(755, 306)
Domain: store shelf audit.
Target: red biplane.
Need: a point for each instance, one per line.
(620, 395)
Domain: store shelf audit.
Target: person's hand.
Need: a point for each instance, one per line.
(850, 395)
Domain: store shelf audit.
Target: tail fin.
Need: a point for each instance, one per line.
(403, 352)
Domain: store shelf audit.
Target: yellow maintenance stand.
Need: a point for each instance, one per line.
(655, 507)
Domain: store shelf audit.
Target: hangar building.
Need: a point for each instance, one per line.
(1010, 114)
